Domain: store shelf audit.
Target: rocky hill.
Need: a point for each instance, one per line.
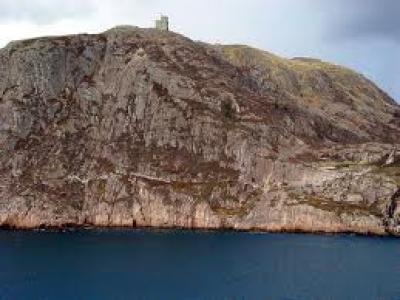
(139, 127)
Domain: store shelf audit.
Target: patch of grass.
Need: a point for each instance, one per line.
(337, 165)
(230, 212)
(199, 190)
(342, 207)
(392, 172)
(227, 110)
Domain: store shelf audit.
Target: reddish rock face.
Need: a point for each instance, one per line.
(139, 127)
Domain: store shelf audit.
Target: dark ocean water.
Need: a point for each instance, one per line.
(138, 264)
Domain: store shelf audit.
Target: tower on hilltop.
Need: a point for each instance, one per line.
(162, 23)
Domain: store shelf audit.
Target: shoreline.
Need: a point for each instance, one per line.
(93, 228)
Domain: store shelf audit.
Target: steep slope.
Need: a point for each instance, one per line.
(138, 127)
(334, 92)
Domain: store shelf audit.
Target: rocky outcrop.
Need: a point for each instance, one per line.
(139, 127)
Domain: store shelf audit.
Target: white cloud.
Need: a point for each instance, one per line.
(44, 11)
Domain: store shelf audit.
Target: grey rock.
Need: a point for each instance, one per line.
(141, 127)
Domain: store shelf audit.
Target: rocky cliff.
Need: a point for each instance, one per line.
(139, 127)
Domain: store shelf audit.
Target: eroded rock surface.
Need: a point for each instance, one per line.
(138, 127)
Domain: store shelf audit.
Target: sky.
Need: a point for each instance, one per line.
(360, 34)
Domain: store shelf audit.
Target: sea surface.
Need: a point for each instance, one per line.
(142, 264)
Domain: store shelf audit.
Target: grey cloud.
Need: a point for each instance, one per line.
(44, 11)
(366, 18)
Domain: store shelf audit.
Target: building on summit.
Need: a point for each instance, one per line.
(162, 23)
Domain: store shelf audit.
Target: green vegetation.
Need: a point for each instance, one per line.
(230, 212)
(341, 207)
(391, 172)
(311, 81)
(227, 110)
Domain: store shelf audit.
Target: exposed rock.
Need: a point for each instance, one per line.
(139, 127)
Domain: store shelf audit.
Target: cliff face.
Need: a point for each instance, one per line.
(138, 127)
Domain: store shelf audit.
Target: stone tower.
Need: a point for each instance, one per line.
(162, 23)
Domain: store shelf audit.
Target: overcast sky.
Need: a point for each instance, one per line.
(361, 34)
